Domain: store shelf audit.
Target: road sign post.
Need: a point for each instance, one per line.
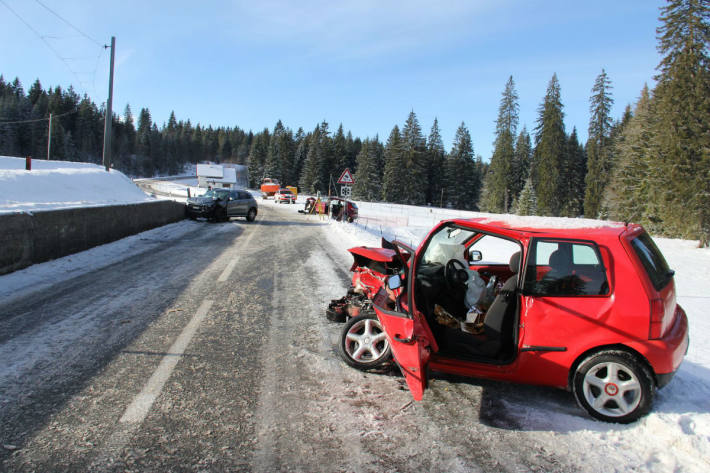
(346, 181)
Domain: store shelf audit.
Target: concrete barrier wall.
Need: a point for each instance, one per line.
(27, 239)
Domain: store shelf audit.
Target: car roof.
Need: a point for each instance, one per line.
(560, 227)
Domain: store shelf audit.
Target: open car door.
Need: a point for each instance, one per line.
(411, 349)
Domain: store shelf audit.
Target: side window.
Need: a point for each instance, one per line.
(565, 268)
(494, 250)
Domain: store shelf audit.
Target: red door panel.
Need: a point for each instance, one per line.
(410, 352)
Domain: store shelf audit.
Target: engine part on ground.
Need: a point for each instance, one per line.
(351, 305)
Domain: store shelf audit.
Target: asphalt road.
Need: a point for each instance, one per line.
(212, 353)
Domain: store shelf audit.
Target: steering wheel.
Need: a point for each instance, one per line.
(455, 275)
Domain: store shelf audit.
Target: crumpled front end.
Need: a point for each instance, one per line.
(371, 267)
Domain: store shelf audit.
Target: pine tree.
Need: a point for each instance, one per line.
(272, 164)
(368, 177)
(550, 148)
(520, 169)
(301, 151)
(437, 170)
(598, 145)
(257, 158)
(629, 196)
(414, 152)
(310, 177)
(527, 201)
(573, 172)
(500, 188)
(353, 149)
(340, 152)
(682, 128)
(394, 180)
(325, 161)
(464, 183)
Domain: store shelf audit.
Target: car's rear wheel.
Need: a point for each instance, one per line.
(363, 343)
(614, 386)
(251, 215)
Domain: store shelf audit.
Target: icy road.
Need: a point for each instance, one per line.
(211, 352)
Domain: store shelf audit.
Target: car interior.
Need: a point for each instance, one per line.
(480, 328)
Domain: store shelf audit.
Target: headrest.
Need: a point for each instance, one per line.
(514, 263)
(559, 260)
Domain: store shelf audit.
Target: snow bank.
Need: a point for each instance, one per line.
(62, 184)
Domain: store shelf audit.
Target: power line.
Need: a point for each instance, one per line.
(70, 25)
(39, 119)
(42, 38)
(64, 60)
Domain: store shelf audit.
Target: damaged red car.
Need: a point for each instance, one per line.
(591, 310)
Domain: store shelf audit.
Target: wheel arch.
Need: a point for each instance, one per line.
(611, 347)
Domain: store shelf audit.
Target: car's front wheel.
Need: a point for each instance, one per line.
(221, 214)
(613, 386)
(363, 343)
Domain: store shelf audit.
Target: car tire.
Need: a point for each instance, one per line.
(363, 343)
(251, 215)
(614, 386)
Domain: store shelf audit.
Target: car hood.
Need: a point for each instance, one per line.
(200, 200)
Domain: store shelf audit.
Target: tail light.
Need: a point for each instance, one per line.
(657, 314)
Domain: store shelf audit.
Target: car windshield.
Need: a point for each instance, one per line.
(447, 243)
(285, 191)
(216, 194)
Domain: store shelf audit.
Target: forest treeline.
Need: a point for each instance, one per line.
(651, 165)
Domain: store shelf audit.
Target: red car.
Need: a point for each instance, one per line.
(338, 208)
(285, 195)
(591, 310)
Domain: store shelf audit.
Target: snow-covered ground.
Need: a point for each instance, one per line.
(675, 436)
(62, 184)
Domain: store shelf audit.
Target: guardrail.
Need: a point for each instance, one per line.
(30, 238)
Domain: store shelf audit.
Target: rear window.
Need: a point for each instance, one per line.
(652, 260)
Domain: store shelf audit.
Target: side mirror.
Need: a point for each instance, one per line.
(394, 282)
(475, 256)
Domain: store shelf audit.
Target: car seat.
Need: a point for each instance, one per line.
(496, 340)
(498, 321)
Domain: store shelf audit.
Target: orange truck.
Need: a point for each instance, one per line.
(269, 187)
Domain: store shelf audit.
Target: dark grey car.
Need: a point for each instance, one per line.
(221, 204)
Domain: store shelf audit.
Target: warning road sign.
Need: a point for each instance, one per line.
(346, 178)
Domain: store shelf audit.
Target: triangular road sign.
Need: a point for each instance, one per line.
(346, 177)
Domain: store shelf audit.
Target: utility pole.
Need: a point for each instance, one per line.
(109, 114)
(49, 137)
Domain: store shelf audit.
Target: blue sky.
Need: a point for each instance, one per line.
(365, 64)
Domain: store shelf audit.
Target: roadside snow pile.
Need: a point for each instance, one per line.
(62, 184)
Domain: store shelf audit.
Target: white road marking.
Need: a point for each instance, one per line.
(264, 456)
(232, 264)
(138, 409)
